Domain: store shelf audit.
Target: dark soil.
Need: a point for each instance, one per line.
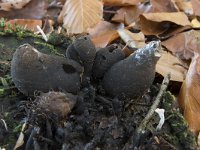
(96, 121)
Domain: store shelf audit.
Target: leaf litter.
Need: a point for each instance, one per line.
(98, 120)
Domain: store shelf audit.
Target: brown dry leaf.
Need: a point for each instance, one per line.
(184, 44)
(29, 24)
(185, 6)
(35, 9)
(7, 5)
(121, 2)
(175, 31)
(189, 96)
(104, 33)
(133, 40)
(157, 23)
(163, 6)
(130, 14)
(196, 6)
(169, 63)
(79, 15)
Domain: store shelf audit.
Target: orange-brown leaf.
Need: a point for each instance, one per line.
(7, 5)
(169, 63)
(185, 6)
(35, 9)
(133, 40)
(189, 98)
(103, 33)
(196, 6)
(79, 15)
(130, 14)
(121, 2)
(163, 6)
(29, 24)
(184, 44)
(157, 23)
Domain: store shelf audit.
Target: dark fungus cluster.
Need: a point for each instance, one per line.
(33, 71)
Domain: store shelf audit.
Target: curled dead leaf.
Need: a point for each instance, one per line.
(35, 9)
(7, 5)
(133, 40)
(79, 15)
(121, 2)
(107, 35)
(158, 23)
(196, 6)
(184, 44)
(169, 63)
(189, 96)
(29, 24)
(163, 6)
(130, 14)
(185, 6)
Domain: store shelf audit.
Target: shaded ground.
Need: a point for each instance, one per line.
(96, 121)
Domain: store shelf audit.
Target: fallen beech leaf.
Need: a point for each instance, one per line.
(130, 14)
(189, 98)
(196, 6)
(121, 2)
(133, 40)
(79, 15)
(7, 5)
(185, 6)
(157, 23)
(35, 9)
(178, 18)
(169, 63)
(184, 44)
(108, 33)
(163, 6)
(175, 31)
(29, 24)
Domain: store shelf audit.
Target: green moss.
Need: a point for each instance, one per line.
(19, 31)
(17, 129)
(178, 122)
(2, 33)
(13, 125)
(2, 91)
(52, 49)
(2, 24)
(5, 85)
(2, 45)
(171, 138)
(59, 39)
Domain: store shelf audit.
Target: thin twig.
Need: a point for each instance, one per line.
(156, 102)
(141, 129)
